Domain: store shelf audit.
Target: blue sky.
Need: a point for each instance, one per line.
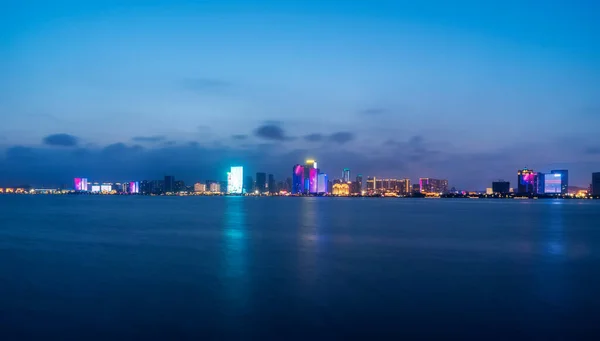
(465, 90)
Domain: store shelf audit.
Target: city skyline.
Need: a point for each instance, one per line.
(463, 91)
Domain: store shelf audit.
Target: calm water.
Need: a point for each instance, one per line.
(108, 268)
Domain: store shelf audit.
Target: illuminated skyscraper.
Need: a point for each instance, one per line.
(527, 181)
(359, 181)
(134, 187)
(429, 185)
(235, 180)
(311, 173)
(346, 175)
(371, 182)
(199, 187)
(322, 183)
(298, 179)
(404, 186)
(564, 180)
(81, 184)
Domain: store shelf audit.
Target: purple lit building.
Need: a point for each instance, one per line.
(311, 173)
(81, 184)
(298, 180)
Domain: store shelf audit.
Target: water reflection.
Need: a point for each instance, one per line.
(235, 266)
(309, 239)
(551, 275)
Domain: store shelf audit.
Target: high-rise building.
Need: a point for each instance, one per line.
(272, 185)
(322, 183)
(550, 183)
(199, 187)
(341, 189)
(169, 184)
(288, 184)
(134, 187)
(429, 185)
(564, 179)
(214, 186)
(311, 172)
(235, 180)
(179, 186)
(500, 187)
(298, 179)
(371, 183)
(527, 181)
(261, 182)
(359, 181)
(81, 184)
(596, 183)
(248, 184)
(416, 188)
(346, 175)
(404, 186)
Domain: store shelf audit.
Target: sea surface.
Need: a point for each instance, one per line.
(234, 268)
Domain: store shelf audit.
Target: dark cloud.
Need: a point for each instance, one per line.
(372, 111)
(411, 157)
(156, 138)
(314, 137)
(239, 137)
(170, 143)
(271, 131)
(205, 84)
(60, 140)
(341, 137)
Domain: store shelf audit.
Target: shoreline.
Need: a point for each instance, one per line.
(449, 196)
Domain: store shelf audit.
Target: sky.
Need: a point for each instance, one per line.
(469, 91)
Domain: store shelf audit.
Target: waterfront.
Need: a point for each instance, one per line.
(99, 267)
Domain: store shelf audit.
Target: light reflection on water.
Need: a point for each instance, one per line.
(552, 287)
(309, 239)
(235, 255)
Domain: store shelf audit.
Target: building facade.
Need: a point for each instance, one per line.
(564, 180)
(596, 183)
(346, 175)
(261, 182)
(272, 186)
(248, 184)
(500, 187)
(298, 179)
(169, 184)
(341, 189)
(199, 187)
(322, 183)
(430, 185)
(527, 181)
(235, 180)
